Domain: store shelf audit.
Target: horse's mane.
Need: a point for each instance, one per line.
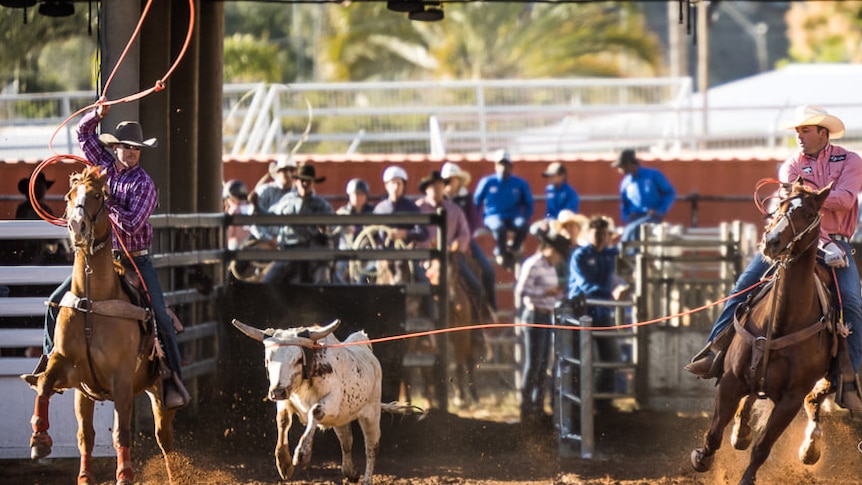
(91, 173)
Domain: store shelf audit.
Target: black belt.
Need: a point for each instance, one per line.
(132, 254)
(839, 237)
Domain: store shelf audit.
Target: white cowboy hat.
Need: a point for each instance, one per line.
(810, 115)
(450, 170)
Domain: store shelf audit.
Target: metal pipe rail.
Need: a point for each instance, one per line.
(574, 375)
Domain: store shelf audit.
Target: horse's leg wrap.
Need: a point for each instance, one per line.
(39, 421)
(40, 441)
(85, 474)
(124, 465)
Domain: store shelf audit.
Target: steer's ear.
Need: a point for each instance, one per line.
(252, 332)
(318, 333)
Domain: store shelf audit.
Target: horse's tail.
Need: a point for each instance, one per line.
(396, 407)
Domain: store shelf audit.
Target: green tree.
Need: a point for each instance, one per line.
(825, 31)
(27, 48)
(482, 41)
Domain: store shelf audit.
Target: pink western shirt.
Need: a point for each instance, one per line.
(840, 210)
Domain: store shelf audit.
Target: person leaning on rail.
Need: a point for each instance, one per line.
(819, 162)
(133, 199)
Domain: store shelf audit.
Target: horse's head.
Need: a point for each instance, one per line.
(795, 225)
(86, 212)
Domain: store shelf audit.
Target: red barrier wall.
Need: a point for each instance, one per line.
(590, 177)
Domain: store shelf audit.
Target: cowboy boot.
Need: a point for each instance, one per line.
(32, 378)
(848, 395)
(707, 363)
(175, 393)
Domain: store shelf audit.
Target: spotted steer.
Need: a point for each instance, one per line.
(326, 387)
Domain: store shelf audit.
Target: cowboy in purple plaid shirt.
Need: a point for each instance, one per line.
(133, 199)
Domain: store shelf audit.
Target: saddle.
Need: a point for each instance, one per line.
(828, 322)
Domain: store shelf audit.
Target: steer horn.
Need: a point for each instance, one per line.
(252, 332)
(320, 332)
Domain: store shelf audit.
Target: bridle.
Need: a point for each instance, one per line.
(90, 245)
(788, 250)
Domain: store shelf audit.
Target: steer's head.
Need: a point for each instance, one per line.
(285, 353)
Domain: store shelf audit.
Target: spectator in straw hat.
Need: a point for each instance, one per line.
(820, 163)
(457, 183)
(133, 199)
(559, 194)
(267, 194)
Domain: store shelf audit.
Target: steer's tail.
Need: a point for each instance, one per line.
(403, 409)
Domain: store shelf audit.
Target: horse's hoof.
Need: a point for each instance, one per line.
(40, 445)
(700, 461)
(86, 478)
(741, 443)
(809, 453)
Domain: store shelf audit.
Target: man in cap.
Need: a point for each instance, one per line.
(357, 191)
(266, 195)
(645, 194)
(592, 268)
(559, 194)
(820, 163)
(133, 199)
(301, 200)
(507, 207)
(395, 180)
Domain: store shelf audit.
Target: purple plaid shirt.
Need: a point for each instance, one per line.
(133, 194)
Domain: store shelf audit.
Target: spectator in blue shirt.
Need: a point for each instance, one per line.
(558, 193)
(591, 273)
(507, 205)
(645, 194)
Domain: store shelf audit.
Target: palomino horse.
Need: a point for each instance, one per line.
(782, 346)
(103, 346)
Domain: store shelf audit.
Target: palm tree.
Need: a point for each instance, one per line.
(484, 41)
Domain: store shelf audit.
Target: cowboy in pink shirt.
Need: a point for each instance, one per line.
(819, 163)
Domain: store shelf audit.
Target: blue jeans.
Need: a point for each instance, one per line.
(500, 229)
(165, 325)
(488, 277)
(537, 358)
(851, 300)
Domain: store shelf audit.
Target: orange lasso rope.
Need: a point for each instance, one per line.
(159, 85)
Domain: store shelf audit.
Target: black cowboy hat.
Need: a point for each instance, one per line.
(434, 176)
(556, 241)
(128, 133)
(24, 183)
(306, 172)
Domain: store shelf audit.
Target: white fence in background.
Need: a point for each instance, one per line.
(15, 428)
(661, 115)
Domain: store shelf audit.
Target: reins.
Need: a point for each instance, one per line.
(759, 367)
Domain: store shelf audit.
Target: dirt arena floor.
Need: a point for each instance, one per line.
(478, 447)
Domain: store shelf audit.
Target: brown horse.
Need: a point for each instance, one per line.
(783, 345)
(466, 346)
(104, 346)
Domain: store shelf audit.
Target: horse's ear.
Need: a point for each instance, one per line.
(823, 193)
(799, 182)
